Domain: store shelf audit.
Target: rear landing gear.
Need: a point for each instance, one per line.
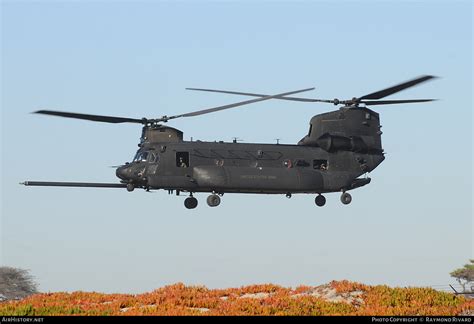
(346, 198)
(130, 187)
(320, 200)
(190, 202)
(213, 200)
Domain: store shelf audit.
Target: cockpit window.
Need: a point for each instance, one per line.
(141, 156)
(146, 156)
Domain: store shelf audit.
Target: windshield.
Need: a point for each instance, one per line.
(141, 156)
(146, 156)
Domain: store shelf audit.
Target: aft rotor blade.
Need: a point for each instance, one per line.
(253, 94)
(399, 87)
(74, 184)
(391, 102)
(97, 118)
(241, 103)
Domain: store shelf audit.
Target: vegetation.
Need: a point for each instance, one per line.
(16, 283)
(336, 298)
(465, 276)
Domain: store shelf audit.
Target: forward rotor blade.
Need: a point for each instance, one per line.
(253, 94)
(97, 118)
(390, 102)
(241, 103)
(399, 87)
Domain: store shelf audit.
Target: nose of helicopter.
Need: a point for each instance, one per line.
(122, 172)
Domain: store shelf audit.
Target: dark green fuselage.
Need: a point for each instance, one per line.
(341, 146)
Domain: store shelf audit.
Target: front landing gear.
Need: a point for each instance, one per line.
(190, 202)
(346, 198)
(213, 200)
(320, 200)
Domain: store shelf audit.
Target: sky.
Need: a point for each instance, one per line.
(411, 226)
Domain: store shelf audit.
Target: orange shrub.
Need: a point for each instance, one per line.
(264, 299)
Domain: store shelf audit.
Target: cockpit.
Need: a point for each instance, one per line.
(146, 156)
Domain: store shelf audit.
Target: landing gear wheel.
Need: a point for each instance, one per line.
(190, 203)
(320, 200)
(213, 200)
(130, 187)
(346, 198)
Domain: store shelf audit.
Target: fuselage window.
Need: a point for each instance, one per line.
(320, 164)
(182, 159)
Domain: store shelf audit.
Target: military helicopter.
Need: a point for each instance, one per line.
(340, 147)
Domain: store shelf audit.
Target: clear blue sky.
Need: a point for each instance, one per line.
(411, 226)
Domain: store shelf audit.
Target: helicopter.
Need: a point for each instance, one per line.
(339, 150)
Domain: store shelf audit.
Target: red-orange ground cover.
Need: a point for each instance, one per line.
(338, 298)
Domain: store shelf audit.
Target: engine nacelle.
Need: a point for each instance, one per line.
(332, 143)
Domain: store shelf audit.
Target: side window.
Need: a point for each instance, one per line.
(182, 159)
(320, 164)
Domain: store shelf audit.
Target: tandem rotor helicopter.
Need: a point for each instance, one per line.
(340, 147)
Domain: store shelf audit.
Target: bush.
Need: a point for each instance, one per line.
(16, 284)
